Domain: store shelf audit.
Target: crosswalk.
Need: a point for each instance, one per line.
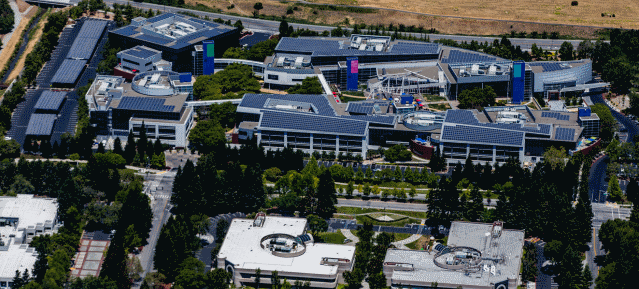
(168, 197)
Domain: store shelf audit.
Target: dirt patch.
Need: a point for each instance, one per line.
(22, 6)
(587, 12)
(5, 56)
(265, 90)
(445, 25)
(32, 42)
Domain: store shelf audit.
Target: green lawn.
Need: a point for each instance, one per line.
(346, 99)
(431, 97)
(355, 210)
(399, 223)
(330, 238)
(401, 236)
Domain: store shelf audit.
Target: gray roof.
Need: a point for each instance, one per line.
(508, 247)
(41, 124)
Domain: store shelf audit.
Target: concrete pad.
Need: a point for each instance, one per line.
(96, 249)
(91, 265)
(97, 256)
(99, 243)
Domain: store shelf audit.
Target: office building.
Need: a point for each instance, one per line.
(281, 244)
(478, 256)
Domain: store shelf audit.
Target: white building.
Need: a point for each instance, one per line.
(22, 218)
(281, 244)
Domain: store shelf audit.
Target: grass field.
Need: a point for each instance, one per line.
(32, 42)
(401, 236)
(430, 97)
(419, 244)
(587, 12)
(331, 238)
(446, 25)
(439, 106)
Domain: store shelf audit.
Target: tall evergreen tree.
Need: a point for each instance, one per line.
(129, 148)
(117, 146)
(475, 207)
(326, 195)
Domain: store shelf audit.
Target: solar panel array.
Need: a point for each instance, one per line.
(50, 100)
(563, 133)
(555, 115)
(144, 104)
(86, 40)
(457, 56)
(41, 124)
(469, 118)
(549, 67)
(312, 123)
(360, 107)
(473, 134)
(153, 39)
(411, 48)
(140, 52)
(69, 71)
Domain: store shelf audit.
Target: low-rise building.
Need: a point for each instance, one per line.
(155, 98)
(478, 256)
(22, 218)
(281, 244)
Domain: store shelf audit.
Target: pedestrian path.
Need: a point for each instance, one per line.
(350, 236)
(401, 244)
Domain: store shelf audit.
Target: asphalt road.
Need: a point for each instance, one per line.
(159, 188)
(273, 27)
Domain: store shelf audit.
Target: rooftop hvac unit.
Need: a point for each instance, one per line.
(474, 69)
(280, 61)
(492, 70)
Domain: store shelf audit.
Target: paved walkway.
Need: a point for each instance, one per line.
(349, 235)
(401, 244)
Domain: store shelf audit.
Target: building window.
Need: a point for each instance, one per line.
(129, 61)
(273, 77)
(297, 80)
(148, 64)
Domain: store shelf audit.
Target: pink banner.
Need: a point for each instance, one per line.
(354, 66)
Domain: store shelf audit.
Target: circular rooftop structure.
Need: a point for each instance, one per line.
(284, 245)
(459, 258)
(423, 120)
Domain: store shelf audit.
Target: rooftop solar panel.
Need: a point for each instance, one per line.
(566, 134)
(153, 39)
(92, 29)
(144, 104)
(82, 48)
(50, 100)
(482, 135)
(126, 31)
(549, 66)
(380, 119)
(41, 124)
(69, 71)
(312, 123)
(468, 117)
(457, 56)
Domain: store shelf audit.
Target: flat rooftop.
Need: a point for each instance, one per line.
(17, 257)
(508, 248)
(172, 30)
(28, 209)
(333, 46)
(242, 248)
(551, 66)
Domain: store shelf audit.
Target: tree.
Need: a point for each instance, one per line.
(377, 281)
(556, 158)
(316, 224)
(275, 280)
(220, 230)
(477, 97)
(350, 188)
(326, 195)
(475, 207)
(218, 279)
(632, 191)
(285, 29)
(223, 113)
(397, 153)
(614, 190)
(206, 136)
(566, 51)
(21, 186)
(117, 147)
(6, 17)
(310, 85)
(232, 82)
(258, 275)
(129, 148)
(258, 6)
